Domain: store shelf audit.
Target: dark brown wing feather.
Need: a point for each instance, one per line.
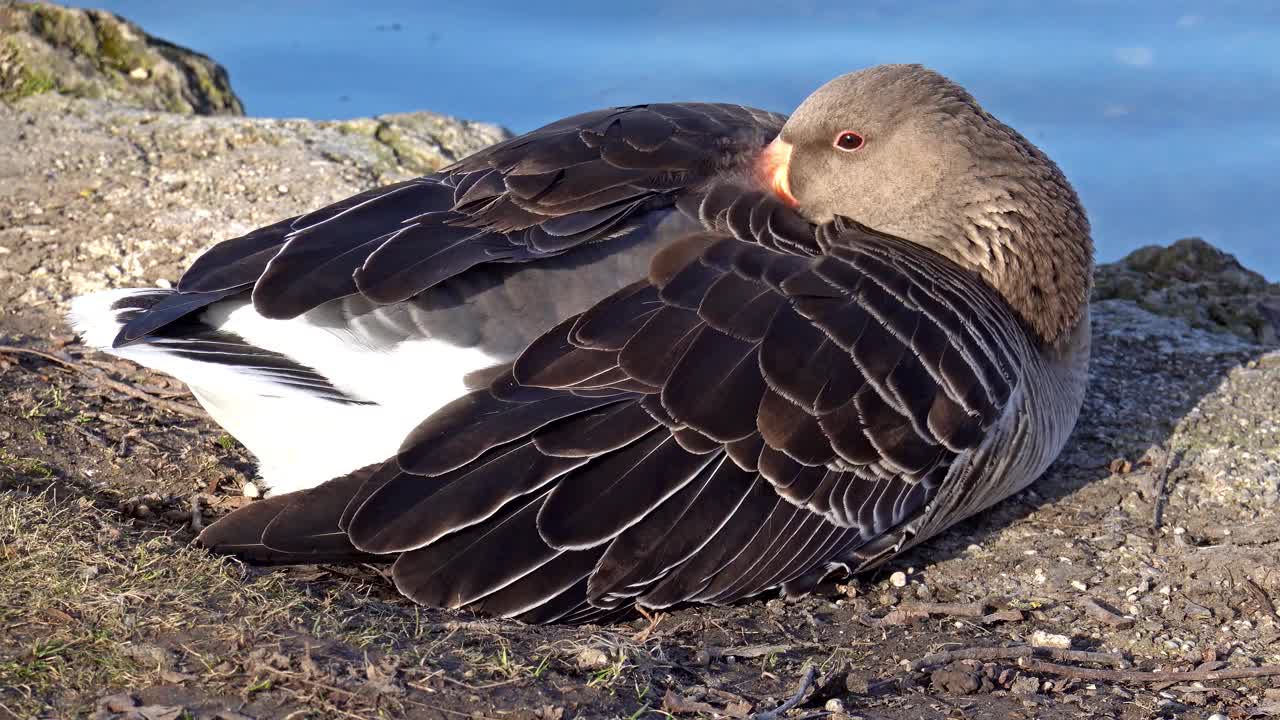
(594, 176)
(751, 416)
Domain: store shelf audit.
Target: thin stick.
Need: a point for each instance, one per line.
(101, 378)
(1157, 511)
(987, 654)
(1264, 603)
(197, 518)
(968, 610)
(1146, 676)
(747, 652)
(910, 612)
(782, 709)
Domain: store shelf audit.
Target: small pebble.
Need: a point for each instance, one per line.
(834, 706)
(1025, 685)
(250, 490)
(898, 579)
(1043, 639)
(592, 659)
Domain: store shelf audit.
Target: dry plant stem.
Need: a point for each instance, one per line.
(197, 518)
(791, 702)
(908, 613)
(985, 654)
(1146, 676)
(1103, 614)
(101, 378)
(747, 652)
(1157, 510)
(967, 610)
(1264, 603)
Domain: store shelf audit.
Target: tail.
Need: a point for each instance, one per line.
(301, 427)
(202, 355)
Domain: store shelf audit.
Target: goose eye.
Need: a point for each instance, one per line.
(848, 141)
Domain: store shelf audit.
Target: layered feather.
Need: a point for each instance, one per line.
(768, 405)
(590, 177)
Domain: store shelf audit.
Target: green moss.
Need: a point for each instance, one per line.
(62, 28)
(24, 80)
(114, 51)
(408, 153)
(215, 95)
(358, 126)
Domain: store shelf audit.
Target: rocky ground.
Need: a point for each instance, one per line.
(1151, 542)
(95, 54)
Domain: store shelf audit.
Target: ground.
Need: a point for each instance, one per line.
(1152, 539)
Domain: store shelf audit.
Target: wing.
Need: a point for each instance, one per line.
(587, 178)
(747, 417)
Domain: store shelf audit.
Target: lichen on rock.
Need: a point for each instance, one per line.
(1198, 283)
(96, 54)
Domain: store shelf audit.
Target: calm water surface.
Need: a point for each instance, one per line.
(1165, 115)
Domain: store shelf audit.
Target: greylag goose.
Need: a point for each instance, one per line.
(648, 355)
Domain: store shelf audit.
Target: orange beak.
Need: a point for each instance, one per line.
(775, 164)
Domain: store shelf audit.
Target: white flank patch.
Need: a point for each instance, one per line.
(300, 440)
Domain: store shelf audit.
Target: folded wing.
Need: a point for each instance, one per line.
(591, 177)
(773, 401)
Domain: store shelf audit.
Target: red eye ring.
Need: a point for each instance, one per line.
(848, 141)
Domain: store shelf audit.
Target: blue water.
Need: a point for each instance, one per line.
(1165, 114)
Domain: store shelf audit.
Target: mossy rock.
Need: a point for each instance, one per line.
(95, 54)
(1197, 282)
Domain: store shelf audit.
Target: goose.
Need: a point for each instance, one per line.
(645, 356)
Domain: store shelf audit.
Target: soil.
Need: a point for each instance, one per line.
(1153, 538)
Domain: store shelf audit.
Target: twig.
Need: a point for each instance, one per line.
(987, 654)
(653, 618)
(12, 350)
(793, 701)
(1264, 603)
(747, 651)
(197, 519)
(1105, 615)
(1002, 616)
(101, 378)
(1147, 676)
(1162, 482)
(907, 613)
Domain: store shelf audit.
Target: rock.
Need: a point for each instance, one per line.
(1025, 685)
(1198, 283)
(955, 680)
(95, 54)
(149, 191)
(1043, 639)
(1199, 612)
(120, 703)
(589, 659)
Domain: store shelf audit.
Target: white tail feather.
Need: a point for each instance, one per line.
(300, 438)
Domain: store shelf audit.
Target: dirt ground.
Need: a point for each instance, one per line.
(1152, 540)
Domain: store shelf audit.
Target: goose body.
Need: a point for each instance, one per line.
(658, 354)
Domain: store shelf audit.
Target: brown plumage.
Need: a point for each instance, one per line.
(846, 350)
